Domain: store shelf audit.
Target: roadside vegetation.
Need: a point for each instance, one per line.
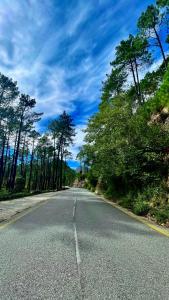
(126, 150)
(31, 162)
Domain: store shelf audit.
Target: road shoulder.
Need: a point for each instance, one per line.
(150, 224)
(16, 208)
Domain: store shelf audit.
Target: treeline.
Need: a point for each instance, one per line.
(127, 140)
(30, 161)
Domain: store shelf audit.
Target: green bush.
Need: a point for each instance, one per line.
(127, 201)
(87, 185)
(110, 192)
(161, 215)
(19, 184)
(141, 208)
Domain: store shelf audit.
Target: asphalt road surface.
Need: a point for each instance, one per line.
(75, 246)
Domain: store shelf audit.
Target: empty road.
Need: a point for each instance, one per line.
(75, 246)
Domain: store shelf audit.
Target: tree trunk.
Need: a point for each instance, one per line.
(54, 165)
(12, 164)
(138, 83)
(161, 47)
(61, 170)
(31, 168)
(2, 160)
(22, 158)
(5, 161)
(12, 183)
(57, 169)
(134, 78)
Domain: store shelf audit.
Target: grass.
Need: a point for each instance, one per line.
(5, 195)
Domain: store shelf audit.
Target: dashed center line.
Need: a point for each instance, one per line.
(77, 252)
(74, 212)
(75, 234)
(78, 259)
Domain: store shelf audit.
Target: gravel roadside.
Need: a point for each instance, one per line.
(10, 208)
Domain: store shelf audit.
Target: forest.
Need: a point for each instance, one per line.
(31, 162)
(126, 150)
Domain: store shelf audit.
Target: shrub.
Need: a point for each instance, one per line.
(19, 184)
(111, 192)
(127, 201)
(108, 193)
(141, 208)
(161, 215)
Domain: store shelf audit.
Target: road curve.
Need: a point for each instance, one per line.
(75, 246)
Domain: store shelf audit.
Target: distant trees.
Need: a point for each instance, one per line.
(29, 161)
(62, 131)
(26, 119)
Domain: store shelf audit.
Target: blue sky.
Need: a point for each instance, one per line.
(59, 51)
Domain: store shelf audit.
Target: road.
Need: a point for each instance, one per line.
(75, 246)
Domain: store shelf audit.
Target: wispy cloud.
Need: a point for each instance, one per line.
(59, 51)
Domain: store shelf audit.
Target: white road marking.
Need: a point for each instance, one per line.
(75, 234)
(74, 209)
(77, 246)
(73, 212)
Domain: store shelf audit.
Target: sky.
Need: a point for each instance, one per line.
(60, 51)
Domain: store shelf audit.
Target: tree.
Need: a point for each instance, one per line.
(127, 153)
(64, 130)
(163, 3)
(114, 83)
(149, 26)
(66, 155)
(28, 161)
(8, 92)
(25, 118)
(34, 135)
(131, 55)
(54, 129)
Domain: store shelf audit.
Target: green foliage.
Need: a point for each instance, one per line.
(113, 84)
(149, 19)
(149, 27)
(141, 207)
(19, 184)
(161, 98)
(161, 215)
(127, 200)
(127, 139)
(162, 3)
(29, 161)
(110, 192)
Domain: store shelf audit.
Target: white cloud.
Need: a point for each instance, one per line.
(32, 51)
(77, 16)
(58, 54)
(78, 140)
